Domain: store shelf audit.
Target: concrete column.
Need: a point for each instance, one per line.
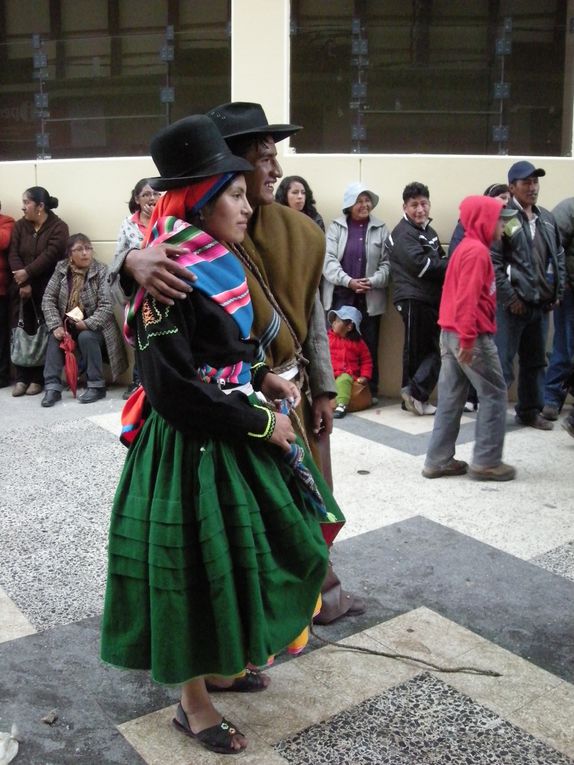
(568, 101)
(260, 55)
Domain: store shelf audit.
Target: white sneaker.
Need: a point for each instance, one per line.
(468, 407)
(428, 408)
(412, 404)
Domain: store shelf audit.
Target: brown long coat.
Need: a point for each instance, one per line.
(97, 307)
(37, 252)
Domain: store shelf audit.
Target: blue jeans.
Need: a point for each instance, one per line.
(525, 335)
(560, 365)
(485, 373)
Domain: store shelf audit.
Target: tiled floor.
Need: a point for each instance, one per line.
(454, 572)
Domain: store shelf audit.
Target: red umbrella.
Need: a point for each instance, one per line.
(68, 345)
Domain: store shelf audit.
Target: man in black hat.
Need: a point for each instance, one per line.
(273, 229)
(291, 253)
(529, 267)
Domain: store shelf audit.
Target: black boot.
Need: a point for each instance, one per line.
(51, 397)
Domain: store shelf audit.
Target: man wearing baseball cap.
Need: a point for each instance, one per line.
(529, 267)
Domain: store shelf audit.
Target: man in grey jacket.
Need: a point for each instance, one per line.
(529, 268)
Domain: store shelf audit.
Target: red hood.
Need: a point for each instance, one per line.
(479, 216)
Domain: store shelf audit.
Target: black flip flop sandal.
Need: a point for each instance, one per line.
(251, 682)
(215, 739)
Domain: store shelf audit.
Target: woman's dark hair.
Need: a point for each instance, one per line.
(281, 195)
(136, 191)
(414, 190)
(39, 195)
(241, 145)
(76, 238)
(196, 218)
(495, 189)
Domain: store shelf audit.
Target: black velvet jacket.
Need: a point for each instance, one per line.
(172, 343)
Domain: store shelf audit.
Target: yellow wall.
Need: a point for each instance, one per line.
(93, 192)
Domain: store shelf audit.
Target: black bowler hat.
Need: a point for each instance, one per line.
(242, 118)
(190, 149)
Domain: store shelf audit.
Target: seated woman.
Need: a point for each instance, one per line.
(80, 285)
(295, 192)
(215, 531)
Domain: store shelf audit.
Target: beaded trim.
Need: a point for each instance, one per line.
(271, 419)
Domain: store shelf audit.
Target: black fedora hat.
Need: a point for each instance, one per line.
(243, 118)
(190, 149)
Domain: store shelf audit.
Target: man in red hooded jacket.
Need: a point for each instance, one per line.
(467, 320)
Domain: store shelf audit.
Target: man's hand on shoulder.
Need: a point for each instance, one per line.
(157, 270)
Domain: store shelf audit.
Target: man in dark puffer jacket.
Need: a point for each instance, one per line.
(418, 266)
(529, 267)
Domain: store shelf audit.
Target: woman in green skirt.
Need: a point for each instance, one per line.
(216, 556)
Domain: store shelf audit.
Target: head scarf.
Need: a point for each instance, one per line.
(186, 199)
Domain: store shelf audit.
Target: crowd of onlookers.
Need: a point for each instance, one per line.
(533, 273)
(48, 277)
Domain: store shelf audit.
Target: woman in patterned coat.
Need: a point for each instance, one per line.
(80, 282)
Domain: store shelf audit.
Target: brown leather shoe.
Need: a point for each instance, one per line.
(538, 422)
(454, 467)
(19, 389)
(34, 389)
(501, 472)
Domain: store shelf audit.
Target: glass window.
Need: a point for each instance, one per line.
(99, 79)
(432, 76)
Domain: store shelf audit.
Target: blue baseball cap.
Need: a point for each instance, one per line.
(347, 313)
(524, 169)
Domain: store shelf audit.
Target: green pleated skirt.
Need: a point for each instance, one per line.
(216, 556)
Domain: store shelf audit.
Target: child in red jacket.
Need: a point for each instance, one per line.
(350, 356)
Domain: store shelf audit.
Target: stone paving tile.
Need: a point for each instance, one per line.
(13, 623)
(559, 561)
(550, 718)
(422, 721)
(55, 527)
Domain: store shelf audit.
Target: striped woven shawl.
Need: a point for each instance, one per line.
(220, 277)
